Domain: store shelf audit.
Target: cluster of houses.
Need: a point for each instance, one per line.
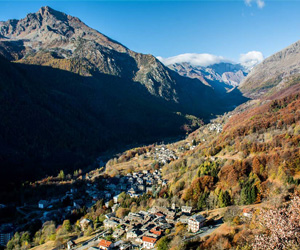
(134, 184)
(163, 155)
(215, 127)
(144, 182)
(144, 229)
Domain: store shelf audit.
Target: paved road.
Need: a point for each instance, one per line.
(91, 242)
(206, 232)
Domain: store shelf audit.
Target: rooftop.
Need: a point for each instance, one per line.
(149, 239)
(104, 243)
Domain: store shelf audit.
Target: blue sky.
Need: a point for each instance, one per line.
(169, 28)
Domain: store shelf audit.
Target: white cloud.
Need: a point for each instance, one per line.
(260, 3)
(250, 59)
(194, 59)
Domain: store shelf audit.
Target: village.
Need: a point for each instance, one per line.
(143, 229)
(138, 230)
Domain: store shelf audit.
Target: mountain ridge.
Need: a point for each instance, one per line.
(228, 73)
(277, 72)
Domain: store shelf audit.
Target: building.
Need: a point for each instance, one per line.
(186, 209)
(195, 223)
(84, 223)
(148, 242)
(118, 233)
(105, 244)
(115, 198)
(43, 204)
(133, 234)
(107, 223)
(156, 231)
(6, 233)
(173, 206)
(183, 219)
(247, 212)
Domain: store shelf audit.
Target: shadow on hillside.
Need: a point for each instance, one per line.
(53, 119)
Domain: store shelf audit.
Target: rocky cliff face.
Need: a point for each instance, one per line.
(230, 74)
(275, 73)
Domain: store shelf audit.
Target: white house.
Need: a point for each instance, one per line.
(43, 204)
(186, 209)
(148, 242)
(195, 223)
(115, 198)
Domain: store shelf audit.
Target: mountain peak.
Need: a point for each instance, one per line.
(47, 11)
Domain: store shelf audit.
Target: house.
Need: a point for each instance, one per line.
(195, 223)
(131, 191)
(105, 244)
(156, 231)
(141, 187)
(71, 244)
(110, 223)
(186, 209)
(43, 204)
(110, 215)
(159, 215)
(118, 233)
(148, 242)
(115, 198)
(84, 223)
(133, 233)
(115, 207)
(247, 212)
(173, 206)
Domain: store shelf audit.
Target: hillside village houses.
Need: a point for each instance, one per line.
(216, 127)
(145, 228)
(164, 155)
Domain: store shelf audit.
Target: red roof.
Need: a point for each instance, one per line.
(247, 210)
(149, 239)
(155, 231)
(104, 243)
(159, 215)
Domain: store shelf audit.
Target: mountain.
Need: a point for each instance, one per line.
(274, 74)
(68, 93)
(228, 73)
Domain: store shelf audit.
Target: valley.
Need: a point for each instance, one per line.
(102, 147)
